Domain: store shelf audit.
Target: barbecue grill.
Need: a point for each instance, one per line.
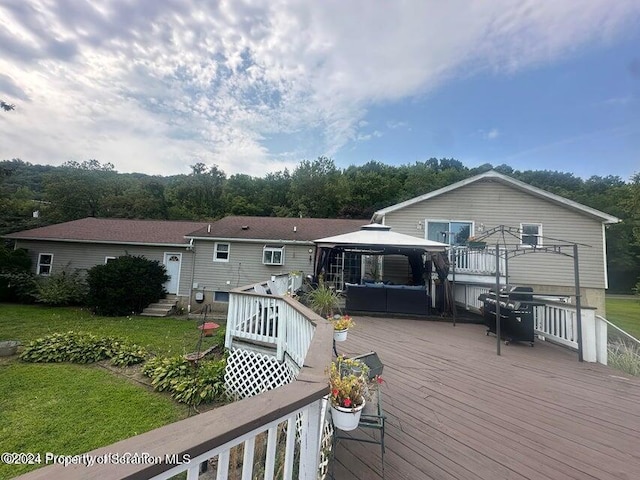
(516, 313)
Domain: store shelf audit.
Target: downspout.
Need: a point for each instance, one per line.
(193, 268)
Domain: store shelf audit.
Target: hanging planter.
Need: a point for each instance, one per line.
(340, 335)
(346, 418)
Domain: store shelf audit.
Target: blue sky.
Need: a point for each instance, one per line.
(258, 86)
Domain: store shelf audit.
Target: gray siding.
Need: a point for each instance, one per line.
(493, 204)
(245, 264)
(83, 256)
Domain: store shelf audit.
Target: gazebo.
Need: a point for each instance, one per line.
(353, 262)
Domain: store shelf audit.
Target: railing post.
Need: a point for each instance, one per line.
(602, 339)
(281, 320)
(310, 441)
(589, 337)
(232, 313)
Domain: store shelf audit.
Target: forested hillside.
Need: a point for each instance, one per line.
(314, 188)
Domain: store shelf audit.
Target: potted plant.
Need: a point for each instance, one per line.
(323, 299)
(346, 396)
(341, 325)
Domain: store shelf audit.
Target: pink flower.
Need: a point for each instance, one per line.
(347, 402)
(334, 392)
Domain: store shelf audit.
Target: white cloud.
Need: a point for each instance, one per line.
(156, 86)
(492, 134)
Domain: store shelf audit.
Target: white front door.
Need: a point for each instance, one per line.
(172, 262)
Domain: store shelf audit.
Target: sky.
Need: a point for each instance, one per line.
(257, 86)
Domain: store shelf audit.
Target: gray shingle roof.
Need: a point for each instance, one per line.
(275, 228)
(113, 230)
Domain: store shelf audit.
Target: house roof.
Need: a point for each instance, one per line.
(113, 230)
(493, 176)
(374, 236)
(276, 228)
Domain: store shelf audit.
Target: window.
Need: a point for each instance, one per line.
(221, 252)
(453, 232)
(221, 296)
(45, 262)
(531, 234)
(273, 255)
(108, 259)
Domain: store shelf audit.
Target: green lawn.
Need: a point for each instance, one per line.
(625, 313)
(160, 336)
(68, 409)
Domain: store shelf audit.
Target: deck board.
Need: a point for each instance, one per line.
(456, 410)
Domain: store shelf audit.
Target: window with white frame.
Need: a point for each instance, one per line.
(221, 252)
(531, 234)
(453, 232)
(45, 262)
(273, 255)
(108, 259)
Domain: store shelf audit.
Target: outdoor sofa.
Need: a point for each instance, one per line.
(384, 298)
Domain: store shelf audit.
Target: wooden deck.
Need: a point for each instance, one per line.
(456, 410)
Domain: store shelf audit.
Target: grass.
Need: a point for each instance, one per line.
(625, 313)
(160, 336)
(69, 409)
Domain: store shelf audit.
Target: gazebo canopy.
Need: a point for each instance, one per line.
(376, 238)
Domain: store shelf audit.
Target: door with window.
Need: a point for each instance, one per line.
(172, 262)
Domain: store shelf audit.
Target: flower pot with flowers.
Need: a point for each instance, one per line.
(341, 325)
(346, 396)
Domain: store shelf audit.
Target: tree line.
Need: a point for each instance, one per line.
(314, 188)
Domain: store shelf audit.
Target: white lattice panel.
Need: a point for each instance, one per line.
(249, 373)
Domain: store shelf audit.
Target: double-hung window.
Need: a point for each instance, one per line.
(273, 255)
(221, 252)
(45, 262)
(531, 234)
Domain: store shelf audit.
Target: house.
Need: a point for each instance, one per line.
(536, 228)
(82, 244)
(207, 258)
(236, 250)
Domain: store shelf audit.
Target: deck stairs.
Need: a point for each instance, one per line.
(163, 308)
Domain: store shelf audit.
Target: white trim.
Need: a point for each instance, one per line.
(449, 221)
(164, 261)
(604, 257)
(40, 264)
(254, 240)
(105, 242)
(109, 257)
(492, 174)
(215, 252)
(538, 235)
(273, 250)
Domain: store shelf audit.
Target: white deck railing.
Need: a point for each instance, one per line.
(273, 321)
(558, 323)
(473, 261)
(279, 430)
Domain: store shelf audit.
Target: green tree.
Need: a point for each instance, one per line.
(315, 188)
(76, 190)
(199, 194)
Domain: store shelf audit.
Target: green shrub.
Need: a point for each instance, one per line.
(17, 283)
(125, 285)
(323, 300)
(624, 357)
(61, 289)
(18, 287)
(77, 347)
(188, 383)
